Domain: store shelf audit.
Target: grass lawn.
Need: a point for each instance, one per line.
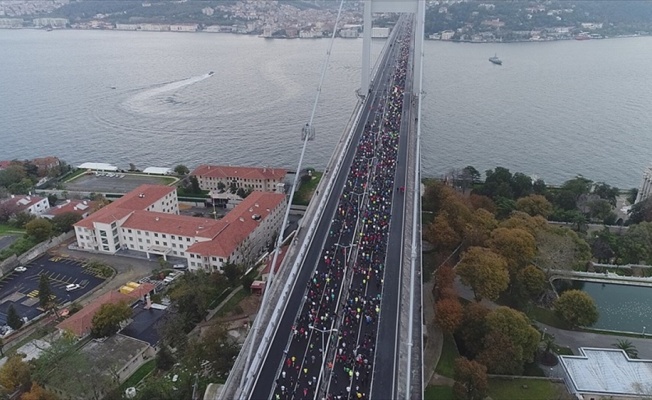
(304, 194)
(512, 389)
(233, 302)
(548, 317)
(5, 229)
(140, 373)
(438, 393)
(71, 176)
(448, 355)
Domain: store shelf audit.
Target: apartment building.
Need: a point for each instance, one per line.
(34, 205)
(252, 178)
(146, 221)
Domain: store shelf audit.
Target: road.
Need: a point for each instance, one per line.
(332, 315)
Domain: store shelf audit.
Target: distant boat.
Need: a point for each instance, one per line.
(48, 30)
(211, 73)
(582, 36)
(112, 87)
(495, 60)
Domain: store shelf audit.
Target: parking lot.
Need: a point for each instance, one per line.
(21, 288)
(114, 182)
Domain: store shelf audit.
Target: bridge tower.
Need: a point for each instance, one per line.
(417, 7)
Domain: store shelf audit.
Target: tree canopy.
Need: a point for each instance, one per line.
(576, 308)
(64, 222)
(534, 205)
(484, 271)
(471, 381)
(15, 373)
(448, 314)
(517, 247)
(107, 319)
(40, 229)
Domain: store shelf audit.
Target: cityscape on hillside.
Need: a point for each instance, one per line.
(456, 20)
(364, 279)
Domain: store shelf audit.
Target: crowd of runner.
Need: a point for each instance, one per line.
(337, 324)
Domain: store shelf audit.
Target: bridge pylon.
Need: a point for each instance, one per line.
(417, 7)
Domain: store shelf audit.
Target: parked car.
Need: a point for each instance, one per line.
(20, 269)
(71, 287)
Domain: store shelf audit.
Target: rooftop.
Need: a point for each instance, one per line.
(174, 224)
(608, 372)
(239, 223)
(138, 199)
(80, 207)
(80, 323)
(23, 202)
(217, 171)
(144, 325)
(98, 166)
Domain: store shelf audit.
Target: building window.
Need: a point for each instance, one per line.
(156, 242)
(155, 234)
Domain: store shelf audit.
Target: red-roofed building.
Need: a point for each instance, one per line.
(34, 205)
(81, 207)
(81, 322)
(252, 178)
(146, 220)
(4, 164)
(45, 164)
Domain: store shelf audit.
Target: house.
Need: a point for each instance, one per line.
(252, 178)
(4, 164)
(45, 164)
(96, 368)
(82, 207)
(81, 322)
(34, 205)
(146, 221)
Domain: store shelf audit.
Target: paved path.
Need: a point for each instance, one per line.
(572, 339)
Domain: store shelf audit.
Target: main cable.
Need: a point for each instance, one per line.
(279, 240)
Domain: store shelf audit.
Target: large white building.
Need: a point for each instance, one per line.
(252, 178)
(146, 220)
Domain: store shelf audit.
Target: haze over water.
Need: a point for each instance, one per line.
(552, 109)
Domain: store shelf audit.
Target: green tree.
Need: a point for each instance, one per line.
(471, 381)
(539, 187)
(107, 319)
(164, 359)
(181, 170)
(440, 234)
(521, 185)
(485, 272)
(213, 355)
(52, 199)
(627, 346)
(15, 373)
(577, 308)
(534, 204)
(40, 229)
(221, 186)
(607, 192)
(501, 355)
(13, 319)
(246, 281)
(172, 331)
(64, 222)
(515, 327)
(473, 173)
(473, 327)
(44, 292)
(21, 219)
(232, 272)
(531, 281)
(516, 246)
(194, 185)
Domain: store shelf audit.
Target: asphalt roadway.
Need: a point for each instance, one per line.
(283, 348)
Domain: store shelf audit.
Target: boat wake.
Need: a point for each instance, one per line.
(143, 100)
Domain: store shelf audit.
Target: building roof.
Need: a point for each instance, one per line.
(80, 323)
(138, 199)
(157, 170)
(98, 166)
(609, 372)
(223, 172)
(239, 223)
(4, 164)
(45, 162)
(80, 207)
(23, 202)
(174, 224)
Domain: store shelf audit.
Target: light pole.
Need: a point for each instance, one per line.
(543, 334)
(323, 352)
(643, 331)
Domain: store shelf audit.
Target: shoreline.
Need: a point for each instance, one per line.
(327, 37)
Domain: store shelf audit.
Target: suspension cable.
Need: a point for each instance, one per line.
(279, 240)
